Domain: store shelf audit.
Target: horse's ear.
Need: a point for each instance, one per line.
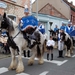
(4, 16)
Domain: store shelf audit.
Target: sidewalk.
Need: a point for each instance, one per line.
(4, 55)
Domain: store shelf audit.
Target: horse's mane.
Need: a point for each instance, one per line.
(67, 35)
(15, 24)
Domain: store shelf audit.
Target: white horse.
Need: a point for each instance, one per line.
(17, 42)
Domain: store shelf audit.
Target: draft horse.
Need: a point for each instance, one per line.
(17, 42)
(68, 42)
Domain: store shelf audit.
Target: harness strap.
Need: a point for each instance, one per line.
(16, 35)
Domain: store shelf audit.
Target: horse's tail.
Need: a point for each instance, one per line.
(38, 51)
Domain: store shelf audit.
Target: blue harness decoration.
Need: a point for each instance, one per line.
(28, 21)
(41, 29)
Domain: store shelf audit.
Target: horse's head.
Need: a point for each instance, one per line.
(6, 23)
(52, 32)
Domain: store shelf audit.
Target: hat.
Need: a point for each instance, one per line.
(4, 34)
(26, 9)
(62, 22)
(69, 22)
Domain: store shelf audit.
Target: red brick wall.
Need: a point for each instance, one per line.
(50, 10)
(16, 10)
(73, 17)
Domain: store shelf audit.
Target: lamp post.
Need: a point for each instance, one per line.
(50, 24)
(37, 9)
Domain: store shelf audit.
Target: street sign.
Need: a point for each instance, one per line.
(3, 5)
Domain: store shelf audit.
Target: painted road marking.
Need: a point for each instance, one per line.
(23, 74)
(59, 63)
(3, 70)
(73, 56)
(44, 73)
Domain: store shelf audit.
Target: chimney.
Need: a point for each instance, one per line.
(72, 2)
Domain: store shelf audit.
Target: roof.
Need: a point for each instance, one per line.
(56, 4)
(70, 4)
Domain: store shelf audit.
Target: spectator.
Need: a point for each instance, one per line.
(50, 44)
(4, 41)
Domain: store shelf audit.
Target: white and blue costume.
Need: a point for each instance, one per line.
(68, 29)
(41, 28)
(62, 28)
(55, 29)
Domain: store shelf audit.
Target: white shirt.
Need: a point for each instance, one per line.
(50, 42)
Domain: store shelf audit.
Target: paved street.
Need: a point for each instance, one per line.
(59, 66)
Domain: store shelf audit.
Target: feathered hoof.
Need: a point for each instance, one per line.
(30, 62)
(11, 68)
(69, 56)
(40, 62)
(19, 70)
(66, 55)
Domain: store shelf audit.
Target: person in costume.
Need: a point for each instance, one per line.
(69, 28)
(28, 24)
(56, 28)
(62, 26)
(60, 44)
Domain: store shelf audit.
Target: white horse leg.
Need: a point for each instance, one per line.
(20, 66)
(31, 60)
(13, 64)
(71, 51)
(66, 51)
(41, 61)
(69, 55)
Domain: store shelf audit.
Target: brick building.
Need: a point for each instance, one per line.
(72, 11)
(15, 8)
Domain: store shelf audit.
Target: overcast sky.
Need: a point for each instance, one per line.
(68, 0)
(73, 1)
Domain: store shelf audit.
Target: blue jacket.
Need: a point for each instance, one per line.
(68, 30)
(55, 29)
(62, 27)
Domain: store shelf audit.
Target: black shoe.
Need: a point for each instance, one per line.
(51, 57)
(62, 57)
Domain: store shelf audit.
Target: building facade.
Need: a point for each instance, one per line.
(72, 11)
(14, 8)
(59, 5)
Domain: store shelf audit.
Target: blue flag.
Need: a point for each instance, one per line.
(72, 33)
